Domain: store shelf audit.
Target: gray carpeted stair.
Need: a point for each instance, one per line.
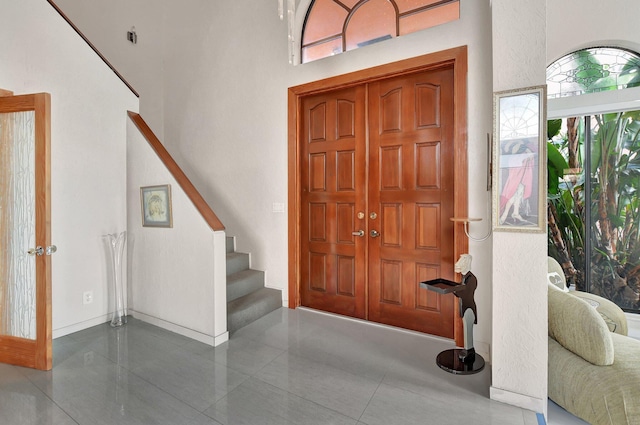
(247, 298)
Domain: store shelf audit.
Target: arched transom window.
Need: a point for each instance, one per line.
(336, 26)
(593, 70)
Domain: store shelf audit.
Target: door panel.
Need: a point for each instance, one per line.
(333, 188)
(390, 159)
(411, 191)
(25, 218)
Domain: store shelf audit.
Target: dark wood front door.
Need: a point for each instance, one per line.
(411, 195)
(376, 188)
(333, 261)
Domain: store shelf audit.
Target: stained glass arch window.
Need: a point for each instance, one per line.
(592, 70)
(336, 26)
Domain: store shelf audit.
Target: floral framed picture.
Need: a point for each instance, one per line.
(156, 206)
(520, 164)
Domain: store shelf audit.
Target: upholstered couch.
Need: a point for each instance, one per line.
(594, 373)
(612, 314)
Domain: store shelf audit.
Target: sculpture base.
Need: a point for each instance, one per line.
(118, 321)
(450, 360)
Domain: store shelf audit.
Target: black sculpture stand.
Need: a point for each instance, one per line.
(460, 361)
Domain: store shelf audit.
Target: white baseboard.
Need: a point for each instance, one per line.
(181, 330)
(520, 400)
(66, 330)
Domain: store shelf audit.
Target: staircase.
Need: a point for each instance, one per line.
(247, 298)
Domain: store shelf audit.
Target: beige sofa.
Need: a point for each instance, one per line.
(612, 314)
(594, 373)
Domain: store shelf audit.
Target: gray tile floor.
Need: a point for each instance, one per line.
(290, 367)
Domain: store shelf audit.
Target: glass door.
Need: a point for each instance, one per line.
(25, 231)
(594, 226)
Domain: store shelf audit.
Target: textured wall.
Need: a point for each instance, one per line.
(172, 271)
(519, 345)
(88, 144)
(576, 24)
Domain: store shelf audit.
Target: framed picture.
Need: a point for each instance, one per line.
(519, 163)
(156, 206)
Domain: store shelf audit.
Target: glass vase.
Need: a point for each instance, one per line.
(116, 244)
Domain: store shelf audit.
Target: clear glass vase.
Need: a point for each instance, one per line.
(116, 244)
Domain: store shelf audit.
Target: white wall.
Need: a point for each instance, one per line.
(225, 81)
(576, 24)
(226, 116)
(519, 346)
(173, 271)
(42, 53)
(106, 23)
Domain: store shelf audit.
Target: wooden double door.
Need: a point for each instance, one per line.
(376, 198)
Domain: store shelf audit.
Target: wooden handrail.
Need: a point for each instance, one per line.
(198, 201)
(86, 40)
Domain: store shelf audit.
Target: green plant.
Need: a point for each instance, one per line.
(565, 206)
(615, 167)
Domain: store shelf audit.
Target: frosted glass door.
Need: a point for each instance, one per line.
(17, 225)
(25, 231)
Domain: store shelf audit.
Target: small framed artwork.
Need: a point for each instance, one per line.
(156, 206)
(520, 164)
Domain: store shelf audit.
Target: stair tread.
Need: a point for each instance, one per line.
(236, 262)
(249, 308)
(236, 254)
(248, 300)
(244, 282)
(242, 274)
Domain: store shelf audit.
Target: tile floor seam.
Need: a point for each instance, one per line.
(313, 401)
(288, 392)
(372, 396)
(269, 362)
(47, 396)
(175, 397)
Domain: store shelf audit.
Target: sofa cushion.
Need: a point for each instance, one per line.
(579, 328)
(612, 314)
(607, 395)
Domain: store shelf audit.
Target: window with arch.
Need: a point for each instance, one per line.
(592, 70)
(594, 177)
(336, 26)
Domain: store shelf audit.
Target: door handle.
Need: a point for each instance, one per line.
(374, 234)
(358, 233)
(36, 251)
(39, 251)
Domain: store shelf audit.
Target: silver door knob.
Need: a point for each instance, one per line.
(51, 249)
(358, 233)
(36, 251)
(374, 234)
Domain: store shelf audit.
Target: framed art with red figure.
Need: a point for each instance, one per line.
(520, 160)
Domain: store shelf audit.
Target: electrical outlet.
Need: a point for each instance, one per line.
(87, 297)
(88, 358)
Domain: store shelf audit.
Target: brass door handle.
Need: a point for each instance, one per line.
(36, 251)
(358, 233)
(374, 234)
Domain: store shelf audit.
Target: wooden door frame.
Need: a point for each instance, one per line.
(36, 353)
(456, 57)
